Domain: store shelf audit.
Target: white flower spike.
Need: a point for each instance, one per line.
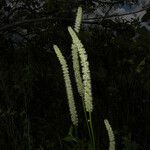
(85, 70)
(67, 80)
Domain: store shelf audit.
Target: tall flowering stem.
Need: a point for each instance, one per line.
(87, 93)
(67, 80)
(85, 70)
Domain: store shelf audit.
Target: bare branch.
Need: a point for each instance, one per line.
(18, 23)
(85, 21)
(119, 15)
(108, 3)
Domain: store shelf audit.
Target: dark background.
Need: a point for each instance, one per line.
(34, 113)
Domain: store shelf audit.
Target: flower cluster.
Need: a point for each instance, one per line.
(110, 134)
(85, 70)
(78, 20)
(67, 80)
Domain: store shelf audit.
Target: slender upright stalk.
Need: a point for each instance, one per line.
(87, 93)
(91, 129)
(86, 119)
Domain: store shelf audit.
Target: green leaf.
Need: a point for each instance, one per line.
(70, 138)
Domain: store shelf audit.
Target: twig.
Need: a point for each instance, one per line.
(108, 3)
(18, 23)
(118, 15)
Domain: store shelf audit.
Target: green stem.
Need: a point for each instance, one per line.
(86, 118)
(91, 128)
